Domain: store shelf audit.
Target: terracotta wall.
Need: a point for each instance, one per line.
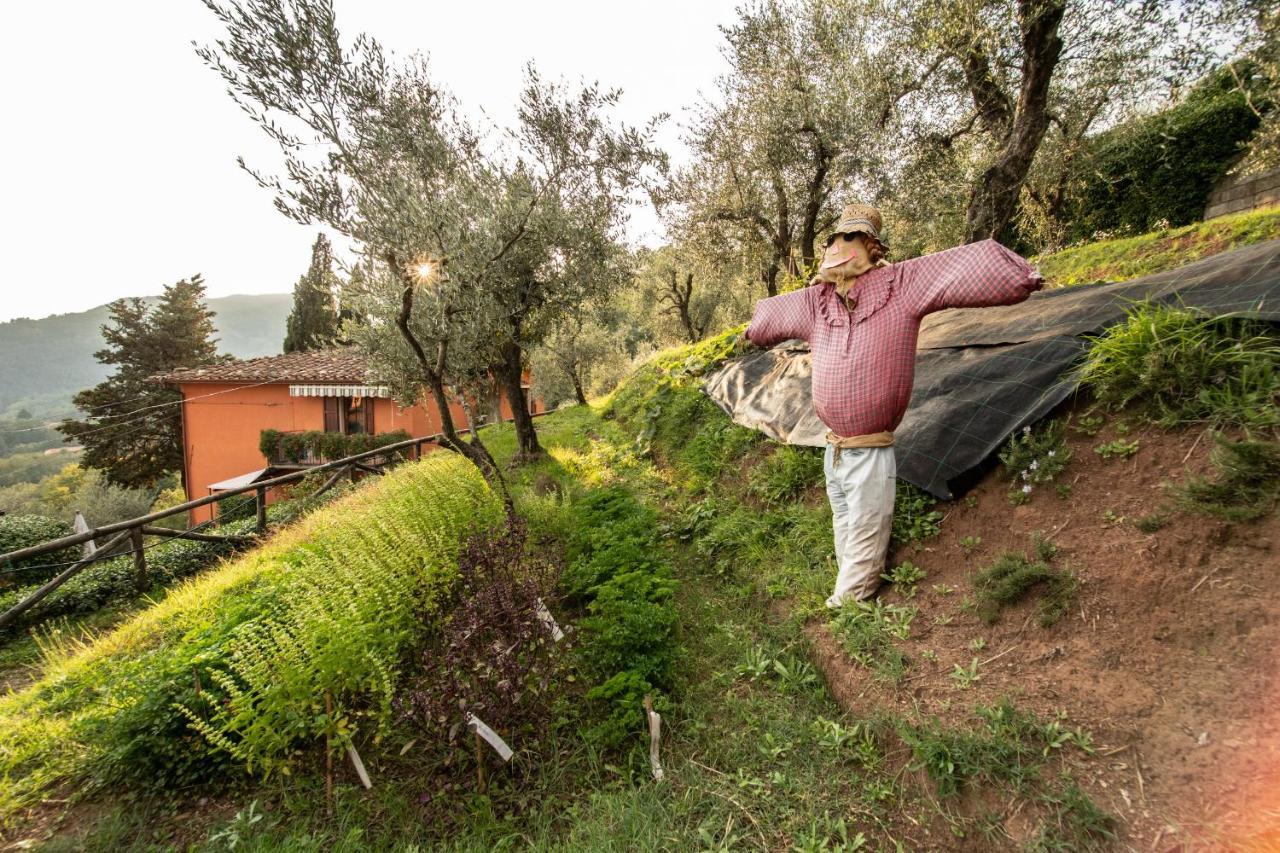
(222, 424)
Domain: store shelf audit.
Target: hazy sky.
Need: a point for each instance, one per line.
(120, 144)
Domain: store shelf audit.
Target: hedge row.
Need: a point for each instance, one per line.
(113, 579)
(232, 669)
(296, 446)
(23, 531)
(629, 644)
(1163, 166)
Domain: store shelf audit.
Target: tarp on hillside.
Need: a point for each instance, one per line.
(983, 373)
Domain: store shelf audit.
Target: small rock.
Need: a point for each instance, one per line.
(1233, 743)
(1203, 739)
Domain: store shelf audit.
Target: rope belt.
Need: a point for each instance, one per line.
(871, 439)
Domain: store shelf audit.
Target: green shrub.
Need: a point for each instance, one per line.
(1247, 485)
(786, 474)
(232, 669)
(295, 446)
(23, 531)
(1012, 576)
(1161, 167)
(1178, 366)
(629, 643)
(112, 579)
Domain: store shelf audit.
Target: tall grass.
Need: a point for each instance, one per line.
(1180, 366)
(232, 669)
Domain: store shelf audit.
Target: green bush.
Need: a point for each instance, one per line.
(1179, 366)
(112, 579)
(1247, 485)
(23, 531)
(629, 643)
(232, 669)
(786, 474)
(1160, 168)
(295, 446)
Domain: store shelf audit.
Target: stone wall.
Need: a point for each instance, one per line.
(1233, 196)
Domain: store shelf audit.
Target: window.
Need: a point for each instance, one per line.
(348, 415)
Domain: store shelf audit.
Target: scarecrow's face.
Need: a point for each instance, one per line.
(846, 255)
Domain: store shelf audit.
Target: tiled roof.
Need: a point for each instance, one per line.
(338, 364)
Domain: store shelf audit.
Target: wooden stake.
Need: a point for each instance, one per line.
(140, 581)
(479, 761)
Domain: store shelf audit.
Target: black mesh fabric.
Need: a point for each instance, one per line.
(983, 373)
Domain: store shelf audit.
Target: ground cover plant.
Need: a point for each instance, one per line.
(1124, 258)
(1176, 366)
(266, 658)
(1013, 576)
(1011, 747)
(867, 629)
(1246, 485)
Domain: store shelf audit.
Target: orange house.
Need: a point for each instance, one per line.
(225, 408)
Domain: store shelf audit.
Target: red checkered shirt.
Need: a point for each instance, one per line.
(864, 359)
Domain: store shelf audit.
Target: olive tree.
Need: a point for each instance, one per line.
(787, 136)
(469, 245)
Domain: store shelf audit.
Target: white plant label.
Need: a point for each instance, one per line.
(359, 765)
(544, 615)
(499, 745)
(655, 734)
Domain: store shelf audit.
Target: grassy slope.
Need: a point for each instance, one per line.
(1132, 257)
(103, 708)
(757, 753)
(747, 760)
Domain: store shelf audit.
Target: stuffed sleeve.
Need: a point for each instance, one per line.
(782, 317)
(970, 276)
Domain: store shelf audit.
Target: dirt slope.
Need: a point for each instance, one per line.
(1169, 653)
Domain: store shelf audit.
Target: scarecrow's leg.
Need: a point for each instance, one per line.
(862, 491)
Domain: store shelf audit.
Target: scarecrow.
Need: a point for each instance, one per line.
(861, 316)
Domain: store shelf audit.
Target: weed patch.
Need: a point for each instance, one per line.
(1178, 366)
(867, 630)
(786, 474)
(1247, 484)
(1034, 457)
(1012, 576)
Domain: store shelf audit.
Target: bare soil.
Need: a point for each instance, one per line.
(1168, 656)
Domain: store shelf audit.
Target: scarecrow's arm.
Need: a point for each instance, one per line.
(782, 317)
(982, 273)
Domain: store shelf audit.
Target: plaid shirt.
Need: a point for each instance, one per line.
(864, 358)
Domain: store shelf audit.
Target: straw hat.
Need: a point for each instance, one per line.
(860, 217)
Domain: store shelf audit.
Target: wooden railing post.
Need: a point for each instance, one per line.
(140, 582)
(262, 509)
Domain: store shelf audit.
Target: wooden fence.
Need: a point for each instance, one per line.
(132, 530)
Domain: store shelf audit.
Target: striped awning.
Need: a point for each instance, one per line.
(339, 391)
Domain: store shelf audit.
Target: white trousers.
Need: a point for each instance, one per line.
(861, 487)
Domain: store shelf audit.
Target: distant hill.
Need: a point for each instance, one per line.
(44, 362)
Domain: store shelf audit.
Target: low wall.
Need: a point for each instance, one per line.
(1254, 191)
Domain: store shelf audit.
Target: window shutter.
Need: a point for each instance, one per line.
(368, 415)
(332, 415)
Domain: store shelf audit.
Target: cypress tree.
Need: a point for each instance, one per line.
(132, 429)
(313, 323)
